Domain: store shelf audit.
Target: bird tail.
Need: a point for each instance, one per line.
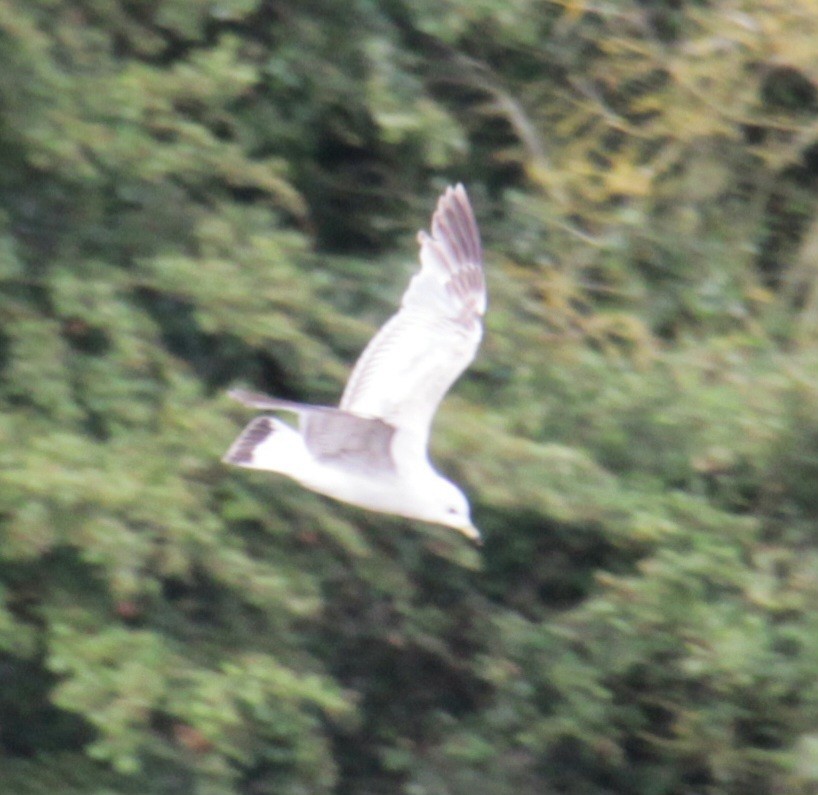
(266, 443)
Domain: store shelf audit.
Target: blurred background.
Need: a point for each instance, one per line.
(195, 195)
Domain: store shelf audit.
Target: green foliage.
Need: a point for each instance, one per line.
(194, 195)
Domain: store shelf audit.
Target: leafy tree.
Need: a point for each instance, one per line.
(196, 194)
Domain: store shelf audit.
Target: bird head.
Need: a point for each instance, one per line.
(452, 510)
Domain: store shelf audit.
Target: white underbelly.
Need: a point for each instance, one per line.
(388, 492)
(385, 494)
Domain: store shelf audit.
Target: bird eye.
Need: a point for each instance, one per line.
(451, 511)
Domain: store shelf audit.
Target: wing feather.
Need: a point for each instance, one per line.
(413, 360)
(362, 445)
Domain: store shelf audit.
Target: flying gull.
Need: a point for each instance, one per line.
(371, 451)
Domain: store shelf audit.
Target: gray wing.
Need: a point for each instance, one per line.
(358, 444)
(409, 365)
(335, 437)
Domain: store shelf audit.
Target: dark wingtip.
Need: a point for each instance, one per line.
(241, 453)
(454, 219)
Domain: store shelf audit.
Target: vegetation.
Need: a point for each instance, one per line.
(196, 194)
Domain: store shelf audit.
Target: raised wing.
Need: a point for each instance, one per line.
(409, 365)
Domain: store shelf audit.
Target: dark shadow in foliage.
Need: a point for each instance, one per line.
(536, 565)
(788, 90)
(4, 352)
(347, 186)
(198, 607)
(465, 86)
(84, 338)
(402, 688)
(402, 685)
(214, 357)
(791, 205)
(665, 18)
(788, 214)
(29, 723)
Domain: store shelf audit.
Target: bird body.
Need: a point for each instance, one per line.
(283, 450)
(371, 451)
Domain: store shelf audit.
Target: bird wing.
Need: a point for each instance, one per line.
(360, 445)
(356, 444)
(409, 365)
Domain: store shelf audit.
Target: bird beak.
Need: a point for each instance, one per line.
(472, 533)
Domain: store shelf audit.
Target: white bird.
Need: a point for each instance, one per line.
(371, 451)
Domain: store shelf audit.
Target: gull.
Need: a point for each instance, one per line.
(372, 450)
